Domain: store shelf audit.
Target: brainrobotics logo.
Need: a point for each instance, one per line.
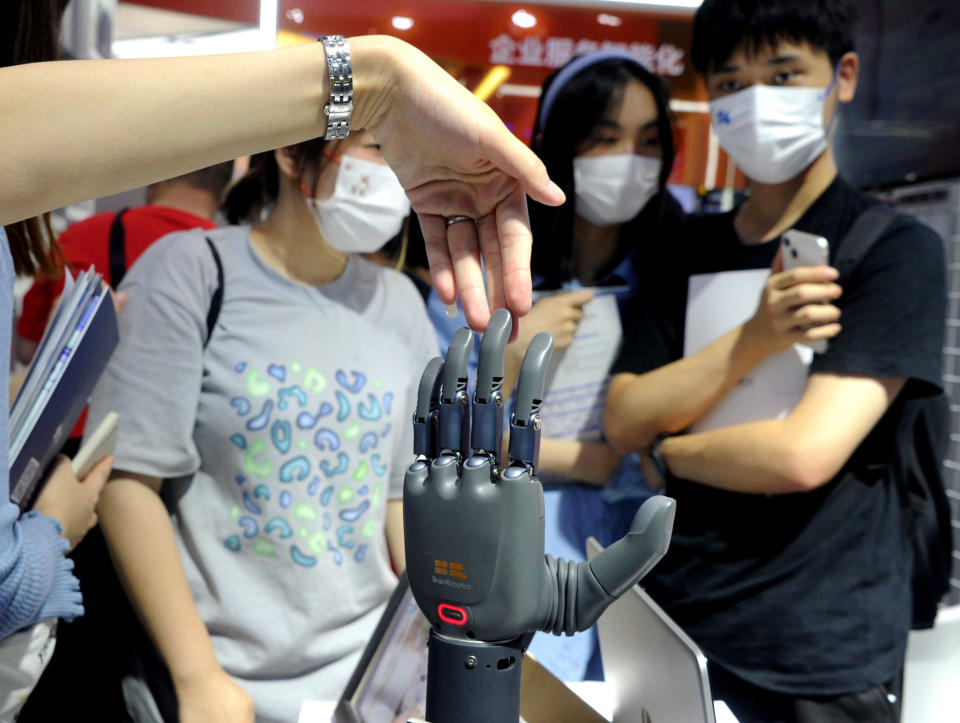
(444, 570)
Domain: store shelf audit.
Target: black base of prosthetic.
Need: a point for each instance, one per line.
(473, 681)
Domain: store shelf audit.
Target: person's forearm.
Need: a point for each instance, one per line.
(759, 457)
(133, 122)
(671, 398)
(800, 452)
(591, 462)
(137, 528)
(394, 530)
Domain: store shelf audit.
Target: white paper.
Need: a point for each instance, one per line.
(718, 303)
(316, 711)
(67, 310)
(577, 381)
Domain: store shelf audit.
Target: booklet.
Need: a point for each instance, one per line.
(72, 354)
(718, 303)
(578, 376)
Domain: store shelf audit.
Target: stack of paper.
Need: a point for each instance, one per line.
(578, 377)
(75, 348)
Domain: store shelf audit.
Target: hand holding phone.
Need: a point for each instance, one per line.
(799, 248)
(97, 446)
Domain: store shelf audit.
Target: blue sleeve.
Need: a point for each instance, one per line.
(36, 579)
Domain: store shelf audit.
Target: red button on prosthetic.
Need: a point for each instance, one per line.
(452, 614)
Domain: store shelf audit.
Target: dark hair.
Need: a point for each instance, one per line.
(407, 248)
(720, 27)
(213, 179)
(577, 109)
(29, 33)
(257, 190)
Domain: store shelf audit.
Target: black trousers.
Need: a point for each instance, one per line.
(751, 704)
(95, 652)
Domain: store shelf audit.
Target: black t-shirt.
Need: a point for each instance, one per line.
(807, 593)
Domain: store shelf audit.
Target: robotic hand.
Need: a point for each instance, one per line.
(474, 530)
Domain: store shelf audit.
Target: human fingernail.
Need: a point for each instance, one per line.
(557, 191)
(832, 273)
(452, 310)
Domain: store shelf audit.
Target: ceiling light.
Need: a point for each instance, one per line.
(523, 19)
(402, 23)
(612, 20)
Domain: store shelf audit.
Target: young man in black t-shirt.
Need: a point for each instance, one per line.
(788, 563)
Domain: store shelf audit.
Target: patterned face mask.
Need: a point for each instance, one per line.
(366, 209)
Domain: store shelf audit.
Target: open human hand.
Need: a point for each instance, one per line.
(455, 158)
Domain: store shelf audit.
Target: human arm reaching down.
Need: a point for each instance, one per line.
(450, 151)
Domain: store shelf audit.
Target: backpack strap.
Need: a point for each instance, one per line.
(118, 249)
(217, 299)
(866, 230)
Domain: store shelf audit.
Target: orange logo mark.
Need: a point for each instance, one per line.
(452, 569)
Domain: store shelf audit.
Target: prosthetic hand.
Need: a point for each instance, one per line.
(473, 522)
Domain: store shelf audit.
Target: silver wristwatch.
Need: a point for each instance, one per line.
(340, 107)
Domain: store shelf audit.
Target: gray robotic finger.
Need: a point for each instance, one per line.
(487, 425)
(425, 422)
(454, 433)
(525, 423)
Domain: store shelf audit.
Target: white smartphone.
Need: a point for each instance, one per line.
(799, 248)
(97, 446)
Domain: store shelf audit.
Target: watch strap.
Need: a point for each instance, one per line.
(340, 69)
(656, 457)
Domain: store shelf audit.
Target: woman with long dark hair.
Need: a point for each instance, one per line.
(604, 132)
(602, 106)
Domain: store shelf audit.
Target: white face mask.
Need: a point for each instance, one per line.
(771, 132)
(613, 189)
(366, 209)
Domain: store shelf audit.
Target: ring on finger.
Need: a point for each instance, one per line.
(450, 220)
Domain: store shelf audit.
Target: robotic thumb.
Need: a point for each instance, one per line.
(620, 566)
(577, 593)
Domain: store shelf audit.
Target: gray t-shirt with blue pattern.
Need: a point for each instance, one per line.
(281, 443)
